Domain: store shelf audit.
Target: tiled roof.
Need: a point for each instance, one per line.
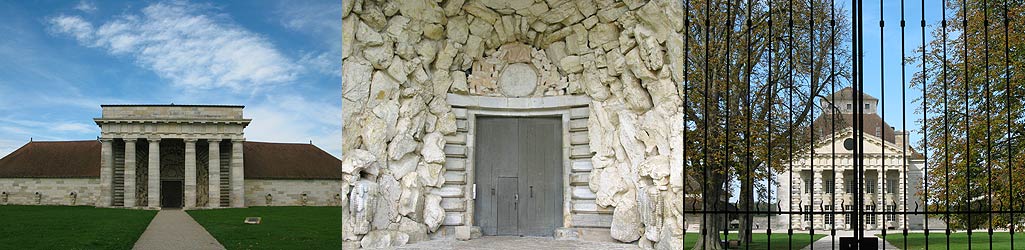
(53, 159)
(266, 160)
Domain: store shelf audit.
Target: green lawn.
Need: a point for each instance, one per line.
(281, 227)
(71, 227)
(762, 241)
(938, 240)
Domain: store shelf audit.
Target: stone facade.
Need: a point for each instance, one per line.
(416, 73)
(168, 135)
(293, 192)
(49, 191)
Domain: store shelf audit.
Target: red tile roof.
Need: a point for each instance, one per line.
(266, 160)
(53, 159)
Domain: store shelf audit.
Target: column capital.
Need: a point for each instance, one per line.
(190, 140)
(153, 140)
(130, 139)
(107, 139)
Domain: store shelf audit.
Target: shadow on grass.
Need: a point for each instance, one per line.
(71, 227)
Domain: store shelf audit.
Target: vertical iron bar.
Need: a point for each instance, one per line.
(686, 106)
(1007, 96)
(727, 159)
(925, 129)
(832, 117)
(811, 121)
(989, 147)
(790, 116)
(904, 121)
(747, 139)
(969, 176)
(704, 148)
(881, 105)
(772, 101)
(946, 127)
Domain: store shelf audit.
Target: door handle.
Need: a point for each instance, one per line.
(531, 191)
(517, 198)
(492, 191)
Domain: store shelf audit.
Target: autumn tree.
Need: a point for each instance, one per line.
(973, 113)
(754, 71)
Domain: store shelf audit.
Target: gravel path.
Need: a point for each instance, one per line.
(517, 243)
(826, 243)
(175, 229)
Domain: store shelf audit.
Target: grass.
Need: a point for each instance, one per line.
(938, 240)
(762, 241)
(71, 227)
(281, 227)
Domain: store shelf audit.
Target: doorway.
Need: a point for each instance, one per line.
(172, 194)
(518, 164)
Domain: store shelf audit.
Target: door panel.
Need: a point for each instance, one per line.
(508, 197)
(171, 194)
(518, 158)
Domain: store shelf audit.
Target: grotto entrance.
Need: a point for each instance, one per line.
(518, 165)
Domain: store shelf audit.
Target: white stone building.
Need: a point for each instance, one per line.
(159, 156)
(824, 180)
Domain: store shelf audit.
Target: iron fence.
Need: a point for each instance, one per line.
(753, 72)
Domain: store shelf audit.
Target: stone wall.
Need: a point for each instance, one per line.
(49, 191)
(290, 192)
(401, 59)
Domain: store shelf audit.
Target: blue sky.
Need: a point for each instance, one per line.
(59, 60)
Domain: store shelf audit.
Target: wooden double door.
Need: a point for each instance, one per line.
(519, 175)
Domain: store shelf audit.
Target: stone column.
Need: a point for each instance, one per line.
(214, 173)
(840, 191)
(237, 182)
(880, 177)
(818, 221)
(153, 185)
(106, 173)
(190, 173)
(130, 172)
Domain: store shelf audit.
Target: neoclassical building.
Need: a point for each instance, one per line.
(160, 156)
(823, 176)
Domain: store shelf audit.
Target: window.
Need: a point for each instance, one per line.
(851, 185)
(847, 216)
(879, 132)
(892, 216)
(830, 186)
(808, 185)
(870, 186)
(849, 106)
(866, 105)
(807, 215)
(891, 186)
(828, 218)
(870, 218)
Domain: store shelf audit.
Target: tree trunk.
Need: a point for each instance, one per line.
(712, 223)
(747, 204)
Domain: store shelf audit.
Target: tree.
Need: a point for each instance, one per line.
(973, 108)
(748, 90)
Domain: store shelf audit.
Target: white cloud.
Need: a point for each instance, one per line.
(183, 44)
(86, 6)
(292, 118)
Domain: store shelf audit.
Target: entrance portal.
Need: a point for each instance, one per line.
(171, 194)
(518, 175)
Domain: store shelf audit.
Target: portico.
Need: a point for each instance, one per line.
(149, 152)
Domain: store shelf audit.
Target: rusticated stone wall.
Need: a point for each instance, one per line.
(402, 59)
(49, 191)
(306, 192)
